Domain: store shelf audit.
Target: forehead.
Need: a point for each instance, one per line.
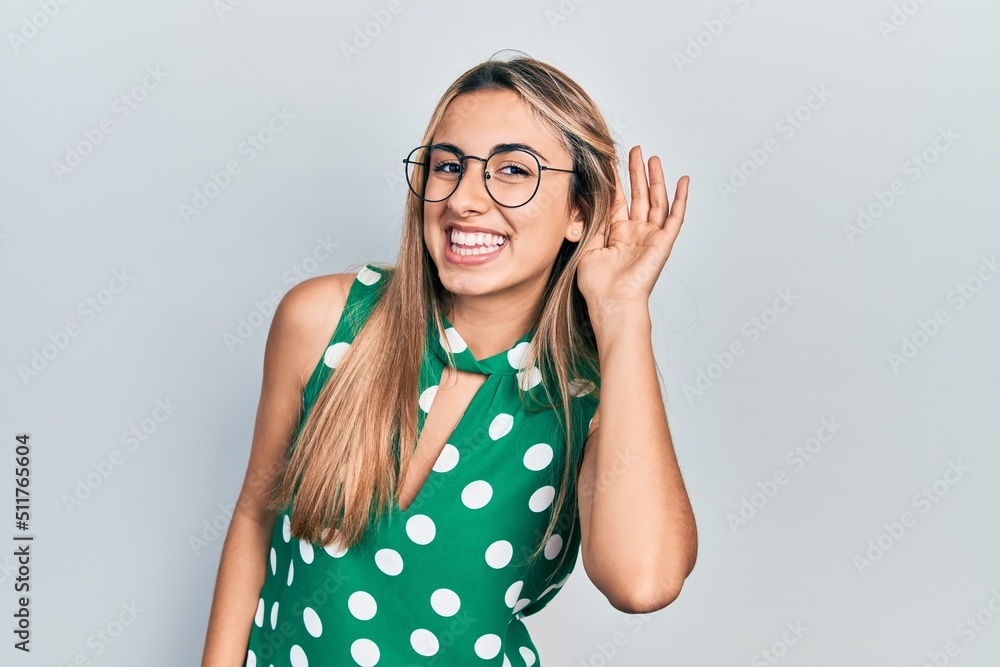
(477, 121)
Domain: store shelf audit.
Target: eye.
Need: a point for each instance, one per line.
(447, 167)
(513, 169)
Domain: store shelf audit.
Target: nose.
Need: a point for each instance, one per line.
(470, 196)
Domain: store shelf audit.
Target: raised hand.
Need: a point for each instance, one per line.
(623, 261)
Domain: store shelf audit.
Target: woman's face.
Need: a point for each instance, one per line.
(532, 233)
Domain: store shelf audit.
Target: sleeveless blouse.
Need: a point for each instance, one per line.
(441, 583)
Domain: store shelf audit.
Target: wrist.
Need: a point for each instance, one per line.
(612, 317)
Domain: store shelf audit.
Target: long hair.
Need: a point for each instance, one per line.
(342, 471)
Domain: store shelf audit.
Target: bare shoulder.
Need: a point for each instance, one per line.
(307, 316)
(303, 323)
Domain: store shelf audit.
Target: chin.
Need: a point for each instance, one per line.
(467, 285)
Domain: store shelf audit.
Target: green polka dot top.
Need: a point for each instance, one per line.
(443, 582)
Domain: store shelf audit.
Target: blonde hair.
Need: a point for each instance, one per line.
(342, 470)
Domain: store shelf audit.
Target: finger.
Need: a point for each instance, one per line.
(619, 210)
(640, 188)
(599, 239)
(676, 217)
(658, 197)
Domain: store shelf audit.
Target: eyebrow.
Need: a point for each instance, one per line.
(496, 148)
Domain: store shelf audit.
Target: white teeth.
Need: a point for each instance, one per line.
(477, 250)
(486, 241)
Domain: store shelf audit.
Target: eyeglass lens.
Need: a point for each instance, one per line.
(434, 172)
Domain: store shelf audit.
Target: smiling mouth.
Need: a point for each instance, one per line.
(475, 243)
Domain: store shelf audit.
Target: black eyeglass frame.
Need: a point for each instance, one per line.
(486, 174)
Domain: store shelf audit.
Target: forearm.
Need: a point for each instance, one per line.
(641, 513)
(240, 577)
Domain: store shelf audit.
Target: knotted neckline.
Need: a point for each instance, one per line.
(508, 362)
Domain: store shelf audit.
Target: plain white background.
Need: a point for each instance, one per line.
(792, 120)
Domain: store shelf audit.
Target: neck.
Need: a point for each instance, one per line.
(492, 323)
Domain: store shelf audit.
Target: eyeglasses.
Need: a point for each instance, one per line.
(511, 175)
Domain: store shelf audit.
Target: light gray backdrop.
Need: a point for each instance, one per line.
(823, 324)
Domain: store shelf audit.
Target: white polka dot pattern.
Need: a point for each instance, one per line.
(427, 398)
(420, 528)
(298, 657)
(516, 355)
(476, 494)
(335, 353)
(579, 387)
(541, 498)
(447, 459)
(501, 425)
(445, 602)
(335, 549)
(499, 554)
(529, 378)
(362, 605)
(397, 597)
(368, 277)
(553, 546)
(488, 646)
(306, 551)
(389, 561)
(538, 456)
(424, 642)
(312, 622)
(510, 597)
(454, 341)
(365, 652)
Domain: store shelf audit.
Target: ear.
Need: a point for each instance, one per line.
(574, 230)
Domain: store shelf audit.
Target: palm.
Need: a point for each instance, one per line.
(624, 257)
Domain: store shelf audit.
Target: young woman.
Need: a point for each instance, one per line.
(443, 447)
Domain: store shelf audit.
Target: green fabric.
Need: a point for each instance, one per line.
(439, 584)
